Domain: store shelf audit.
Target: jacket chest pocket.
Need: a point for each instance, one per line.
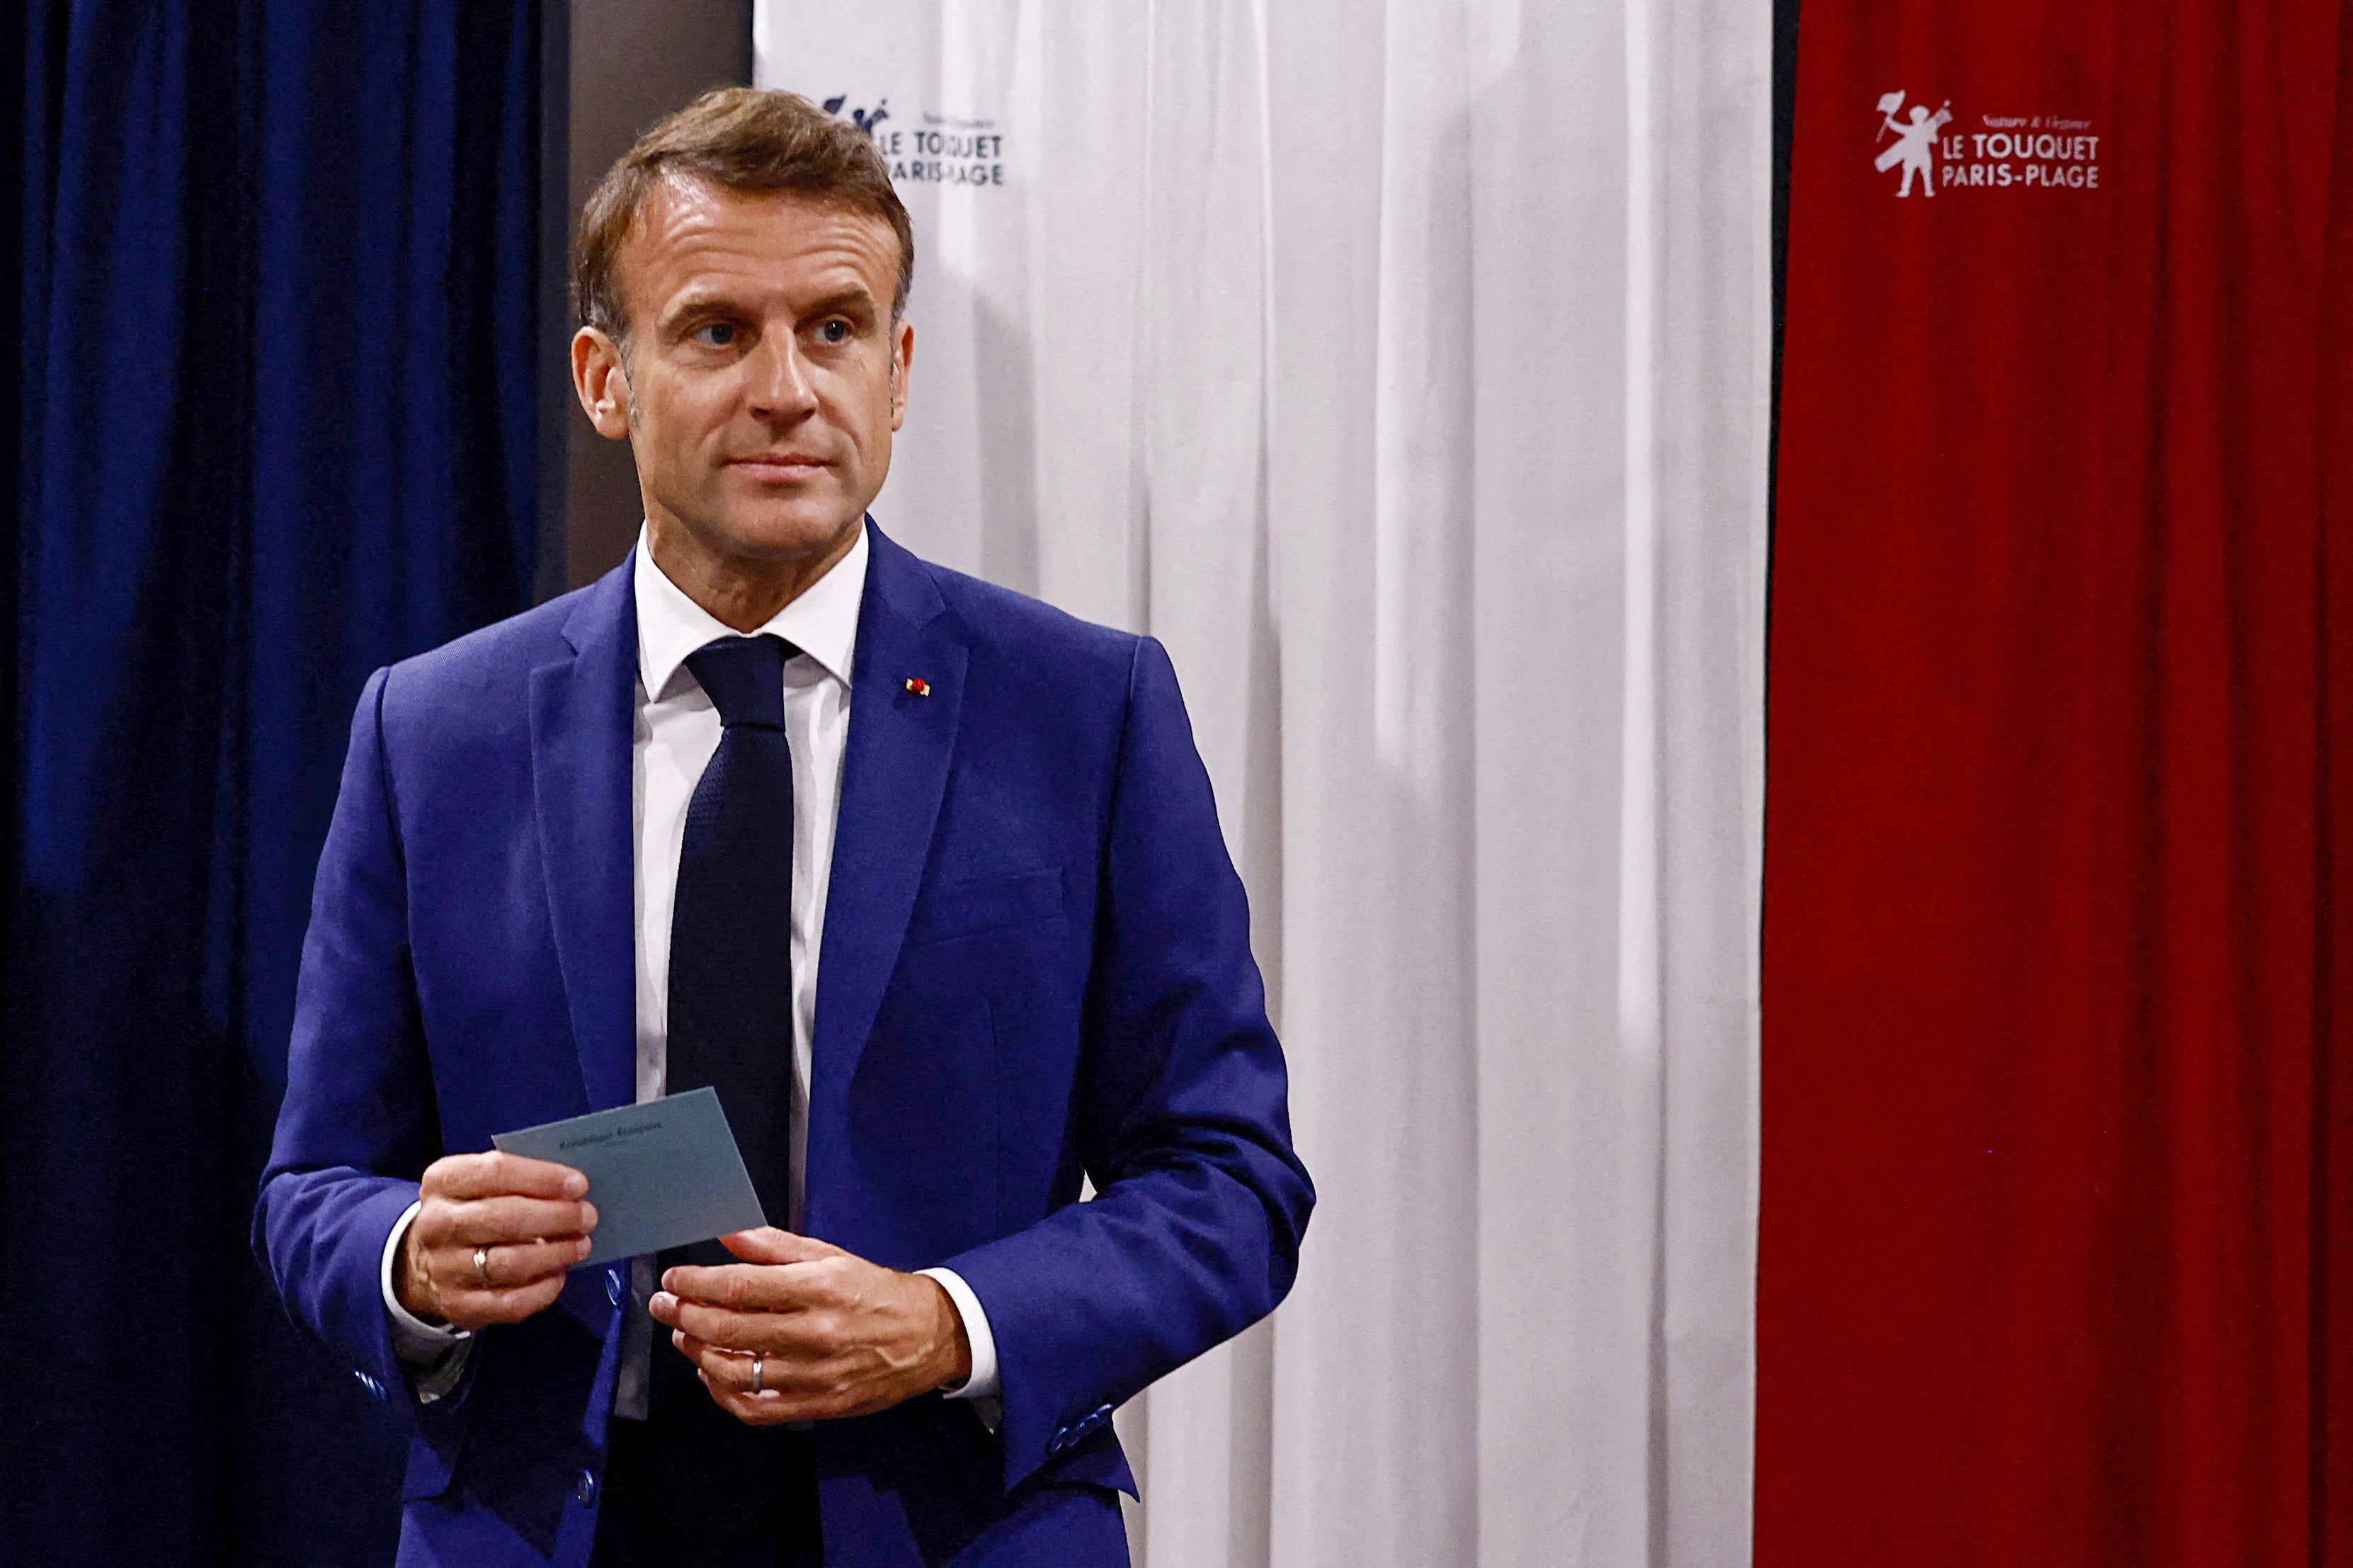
(969, 907)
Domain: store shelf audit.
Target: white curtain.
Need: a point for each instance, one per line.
(1402, 364)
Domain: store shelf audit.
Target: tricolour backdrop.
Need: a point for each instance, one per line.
(1403, 367)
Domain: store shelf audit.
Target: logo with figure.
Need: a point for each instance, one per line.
(866, 119)
(1915, 147)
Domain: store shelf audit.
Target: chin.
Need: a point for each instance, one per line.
(781, 533)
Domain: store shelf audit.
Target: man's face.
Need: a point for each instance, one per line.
(764, 376)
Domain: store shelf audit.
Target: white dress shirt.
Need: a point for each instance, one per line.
(675, 732)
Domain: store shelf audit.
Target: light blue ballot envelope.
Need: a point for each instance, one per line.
(664, 1173)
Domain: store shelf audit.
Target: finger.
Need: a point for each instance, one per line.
(768, 1245)
(497, 1173)
(486, 1222)
(786, 1391)
(775, 1333)
(771, 1407)
(740, 1286)
(473, 1308)
(806, 1336)
(789, 1333)
(757, 1409)
(726, 1367)
(509, 1265)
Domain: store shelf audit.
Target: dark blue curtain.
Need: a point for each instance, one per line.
(274, 426)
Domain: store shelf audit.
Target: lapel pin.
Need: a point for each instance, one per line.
(919, 686)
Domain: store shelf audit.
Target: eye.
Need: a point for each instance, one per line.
(836, 331)
(716, 334)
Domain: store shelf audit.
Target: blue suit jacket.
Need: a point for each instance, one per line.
(1035, 967)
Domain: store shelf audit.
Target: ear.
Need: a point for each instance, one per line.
(903, 359)
(602, 382)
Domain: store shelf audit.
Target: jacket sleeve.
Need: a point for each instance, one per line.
(1183, 1122)
(358, 1125)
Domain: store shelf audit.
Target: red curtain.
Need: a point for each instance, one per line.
(2056, 1248)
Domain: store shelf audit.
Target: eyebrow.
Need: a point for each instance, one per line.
(695, 305)
(844, 301)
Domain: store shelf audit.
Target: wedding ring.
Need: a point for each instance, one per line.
(482, 1266)
(759, 1367)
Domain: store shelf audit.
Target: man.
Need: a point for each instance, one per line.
(922, 876)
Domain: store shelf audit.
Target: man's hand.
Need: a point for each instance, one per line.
(836, 1335)
(527, 1216)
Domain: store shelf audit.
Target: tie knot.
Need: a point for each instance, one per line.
(745, 678)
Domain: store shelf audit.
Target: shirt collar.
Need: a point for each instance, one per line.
(822, 622)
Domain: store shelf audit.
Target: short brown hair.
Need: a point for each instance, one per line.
(738, 139)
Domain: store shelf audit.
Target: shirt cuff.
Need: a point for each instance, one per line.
(982, 1383)
(421, 1346)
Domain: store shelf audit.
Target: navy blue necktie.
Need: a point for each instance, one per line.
(695, 1485)
(731, 962)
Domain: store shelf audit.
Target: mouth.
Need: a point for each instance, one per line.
(784, 466)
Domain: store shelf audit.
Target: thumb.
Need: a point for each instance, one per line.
(770, 1244)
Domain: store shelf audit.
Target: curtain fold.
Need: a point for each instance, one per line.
(278, 259)
(2330, 1471)
(1403, 367)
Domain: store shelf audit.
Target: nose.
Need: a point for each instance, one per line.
(779, 386)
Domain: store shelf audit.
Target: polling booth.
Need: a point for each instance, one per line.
(1765, 597)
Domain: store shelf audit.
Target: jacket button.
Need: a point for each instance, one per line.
(370, 1384)
(586, 1490)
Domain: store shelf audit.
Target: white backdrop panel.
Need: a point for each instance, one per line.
(1402, 366)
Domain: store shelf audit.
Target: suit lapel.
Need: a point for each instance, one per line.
(580, 717)
(894, 772)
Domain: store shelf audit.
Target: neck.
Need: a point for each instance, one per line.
(740, 593)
